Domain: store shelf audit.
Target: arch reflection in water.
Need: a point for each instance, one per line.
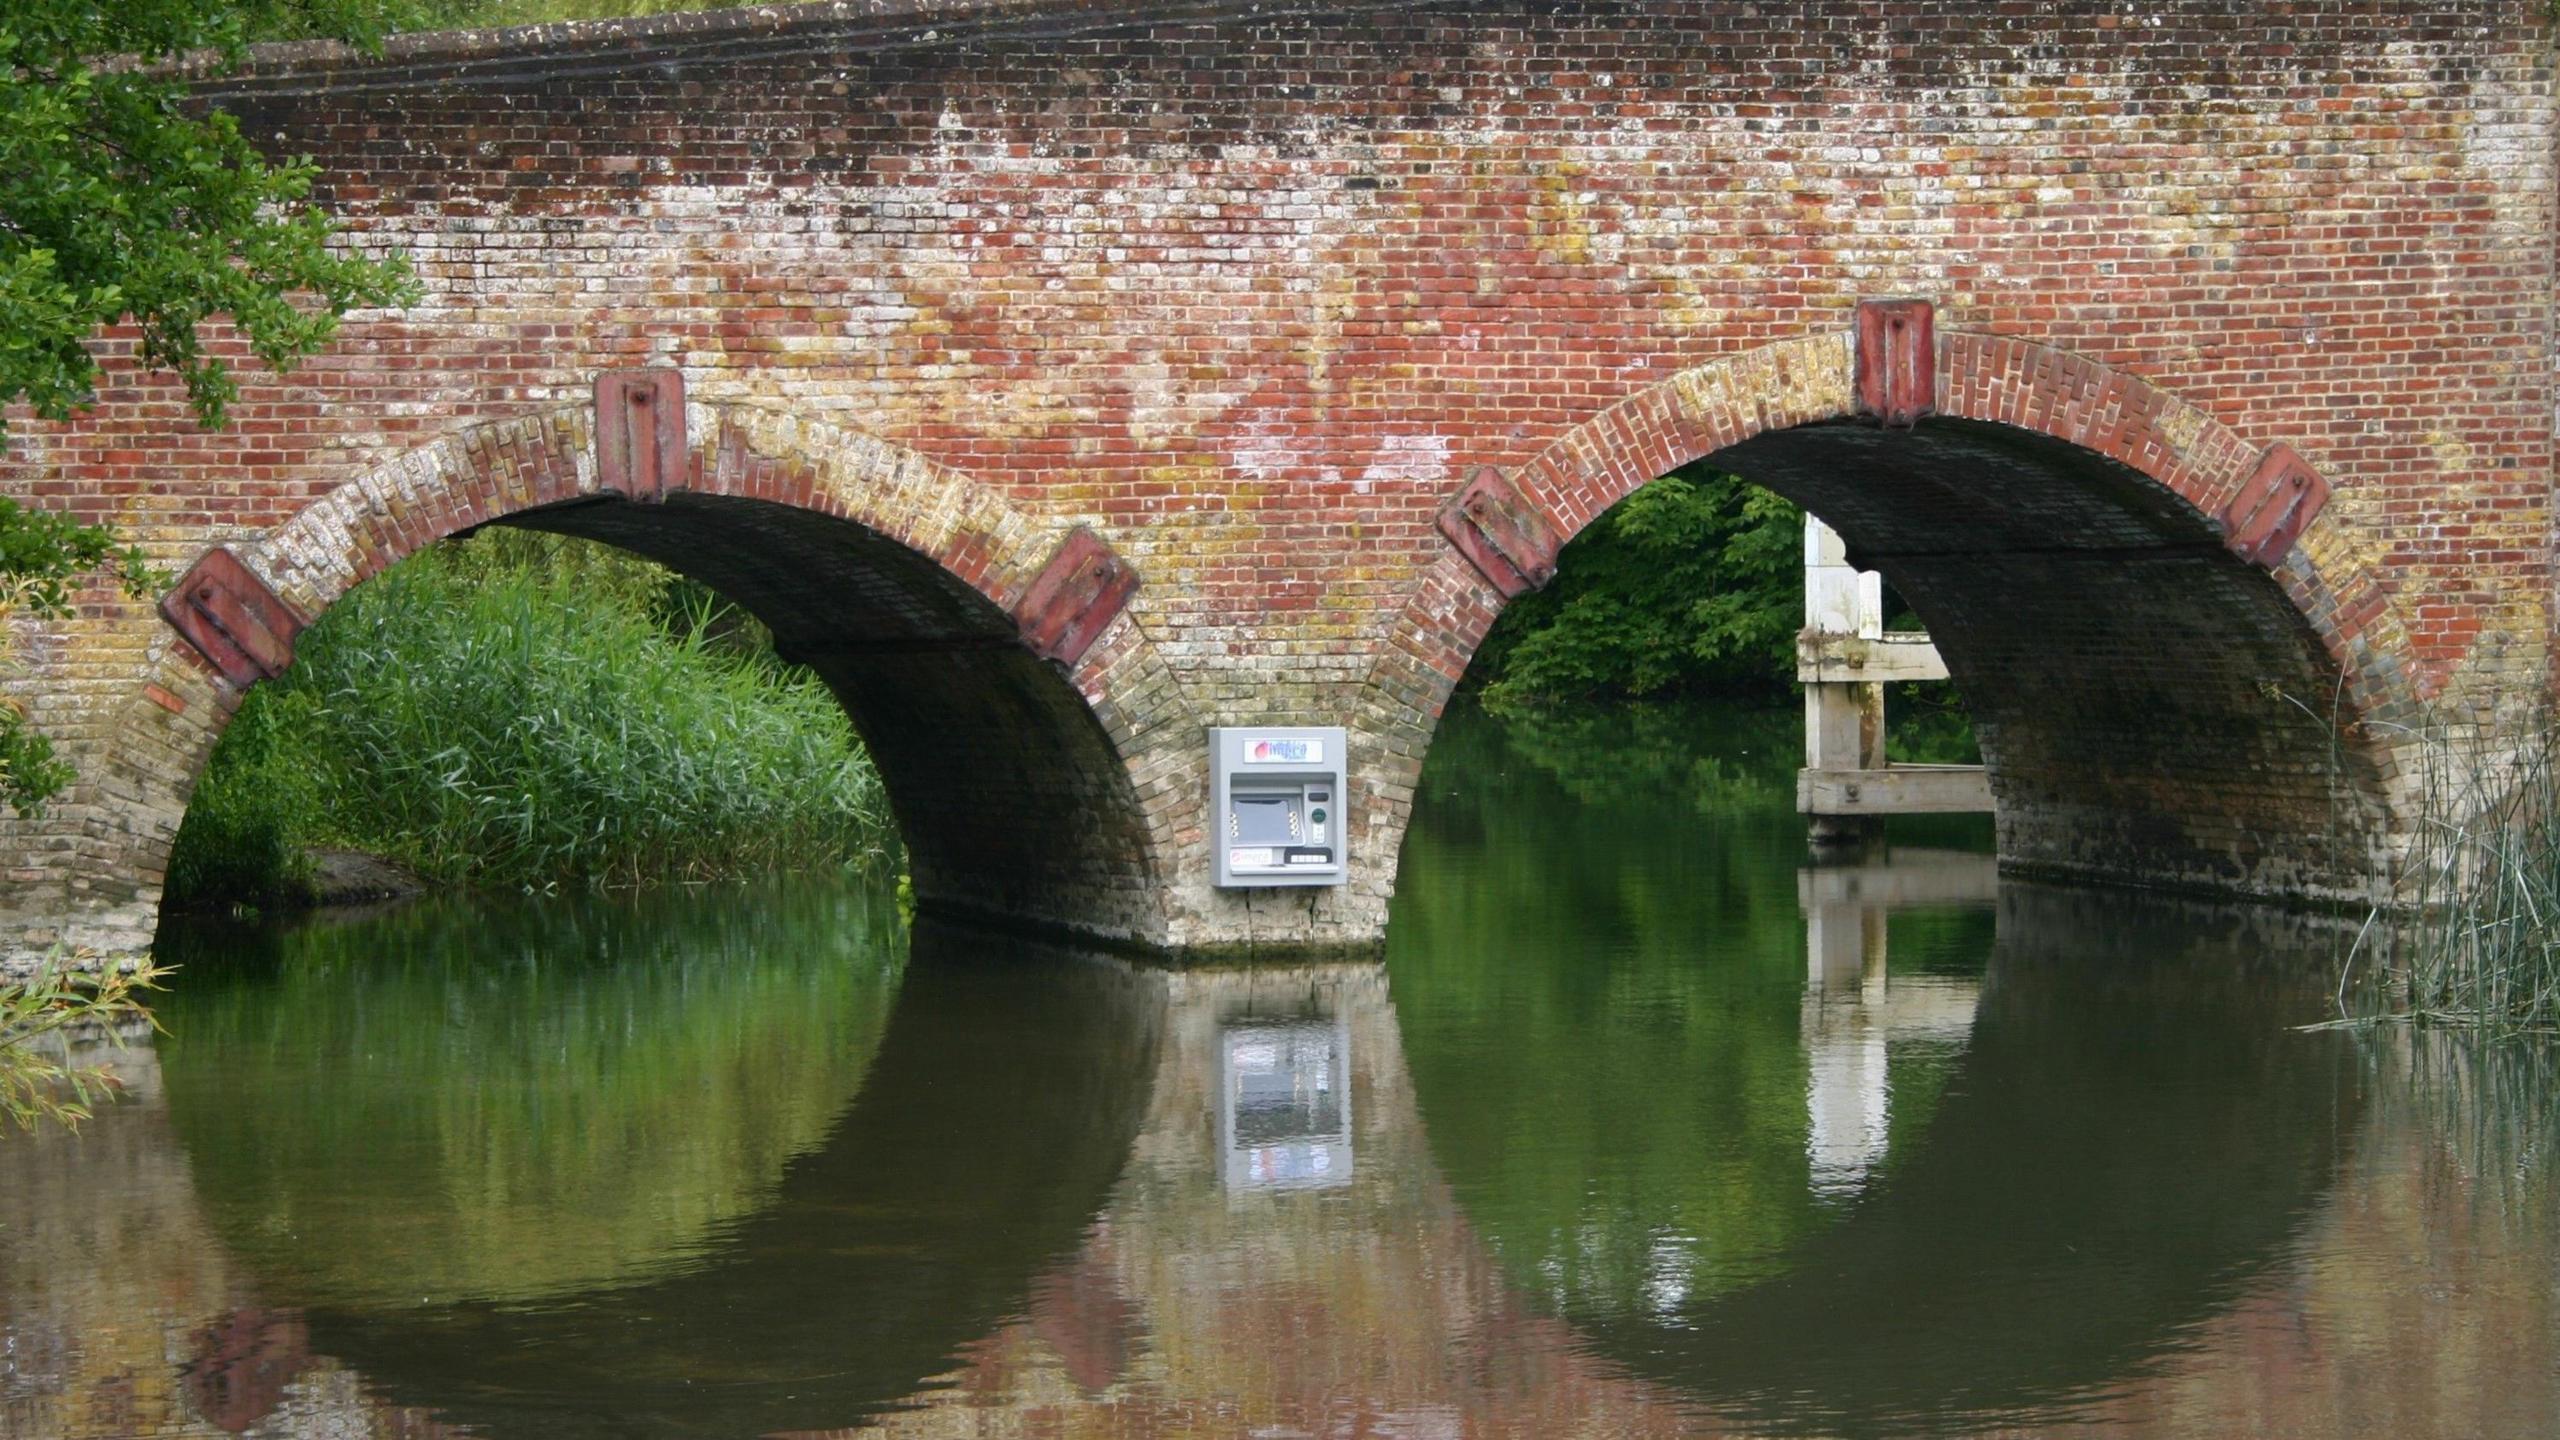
(986, 1133)
(1669, 1121)
(957, 1255)
(949, 1173)
(514, 1100)
(2116, 1197)
(1599, 960)
(2132, 1136)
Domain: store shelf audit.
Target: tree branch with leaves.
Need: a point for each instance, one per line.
(124, 201)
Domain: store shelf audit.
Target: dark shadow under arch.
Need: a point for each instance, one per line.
(895, 579)
(2155, 709)
(2151, 705)
(1012, 800)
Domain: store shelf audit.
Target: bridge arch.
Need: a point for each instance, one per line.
(2153, 707)
(911, 590)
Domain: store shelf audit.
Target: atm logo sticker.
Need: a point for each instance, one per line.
(1284, 752)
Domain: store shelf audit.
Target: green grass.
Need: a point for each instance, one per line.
(520, 710)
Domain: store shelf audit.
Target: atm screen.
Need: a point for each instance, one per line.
(1263, 819)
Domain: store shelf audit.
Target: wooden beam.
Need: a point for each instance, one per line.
(1833, 659)
(1898, 790)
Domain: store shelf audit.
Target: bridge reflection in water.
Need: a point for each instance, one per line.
(1068, 1197)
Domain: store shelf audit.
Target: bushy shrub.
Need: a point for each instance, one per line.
(1691, 586)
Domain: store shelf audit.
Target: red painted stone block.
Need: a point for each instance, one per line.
(1897, 361)
(232, 619)
(1501, 533)
(640, 446)
(1074, 598)
(2272, 509)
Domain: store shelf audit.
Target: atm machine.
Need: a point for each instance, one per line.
(1279, 805)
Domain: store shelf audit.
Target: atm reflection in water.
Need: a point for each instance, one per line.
(1286, 1118)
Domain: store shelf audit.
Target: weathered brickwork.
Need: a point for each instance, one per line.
(1250, 298)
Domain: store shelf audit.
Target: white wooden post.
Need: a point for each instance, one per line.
(1843, 659)
(1843, 720)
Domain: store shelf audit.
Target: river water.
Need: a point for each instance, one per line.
(1643, 1126)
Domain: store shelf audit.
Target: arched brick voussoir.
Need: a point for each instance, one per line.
(496, 471)
(761, 453)
(1697, 412)
(499, 470)
(2135, 467)
(1573, 481)
(381, 517)
(1710, 407)
(1116, 704)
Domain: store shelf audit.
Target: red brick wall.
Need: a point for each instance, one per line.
(1252, 298)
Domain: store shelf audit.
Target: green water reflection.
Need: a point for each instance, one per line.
(512, 1099)
(2132, 1138)
(1644, 1127)
(1000, 1106)
(2087, 1130)
(1598, 952)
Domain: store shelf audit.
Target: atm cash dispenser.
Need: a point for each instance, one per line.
(1279, 797)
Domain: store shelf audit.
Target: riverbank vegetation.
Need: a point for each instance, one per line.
(1692, 584)
(2473, 938)
(524, 710)
(43, 1018)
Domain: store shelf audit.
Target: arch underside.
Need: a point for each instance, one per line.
(1012, 801)
(2151, 707)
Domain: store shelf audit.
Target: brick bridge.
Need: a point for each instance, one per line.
(1062, 377)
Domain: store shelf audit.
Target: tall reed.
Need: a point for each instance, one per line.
(2472, 938)
(525, 711)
